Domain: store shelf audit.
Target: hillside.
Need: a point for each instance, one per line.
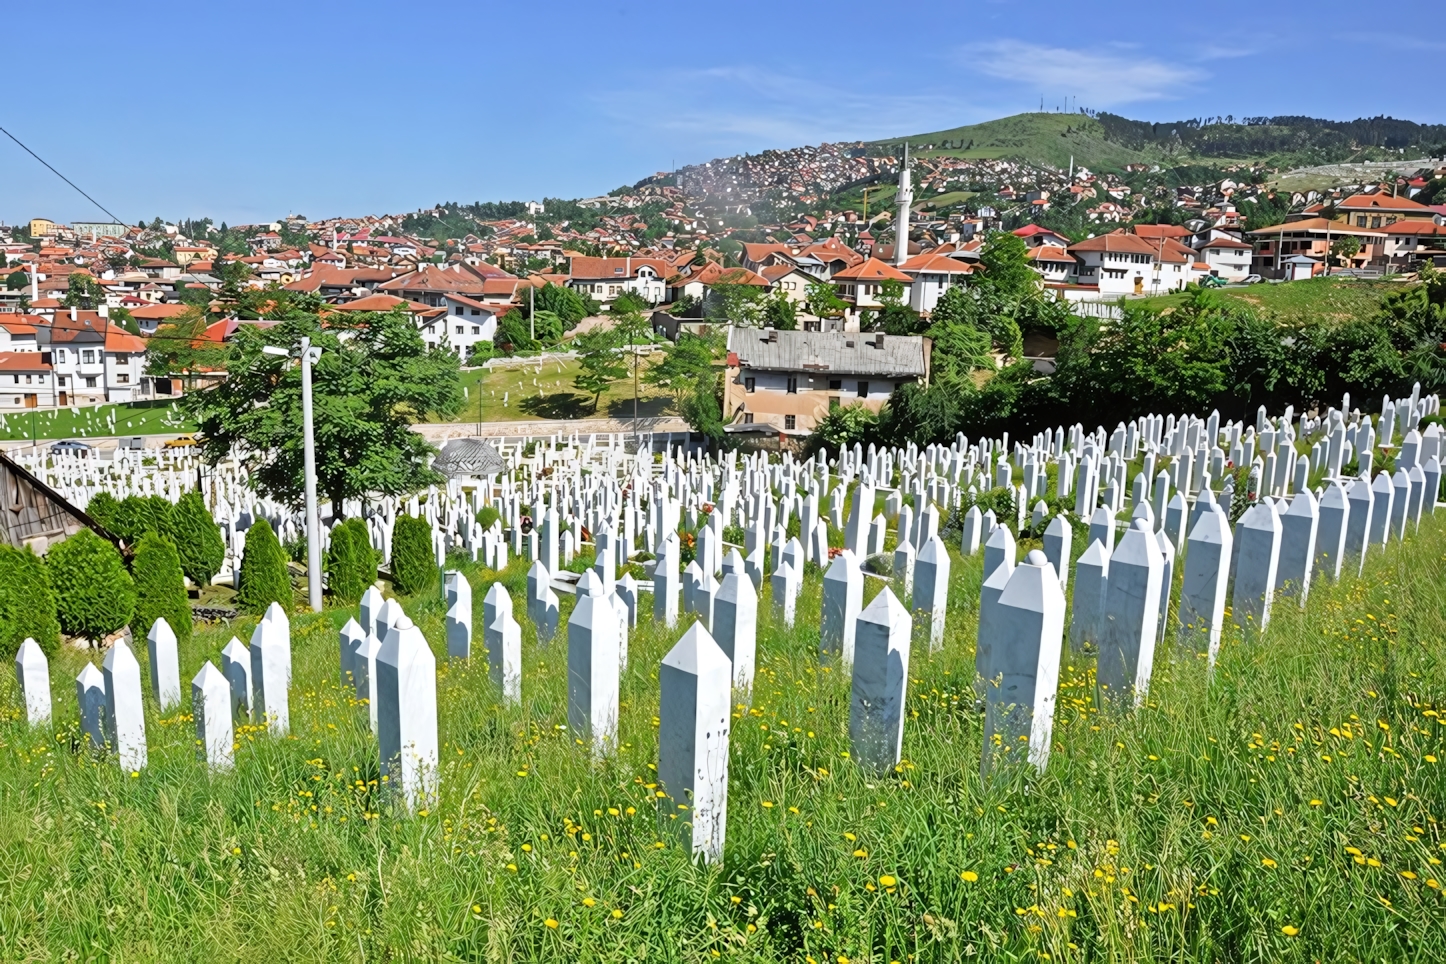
(1049, 139)
(1108, 142)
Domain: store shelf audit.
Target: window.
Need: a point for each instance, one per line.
(835, 384)
(123, 379)
(461, 329)
(790, 421)
(1360, 220)
(792, 385)
(476, 329)
(747, 416)
(60, 381)
(29, 379)
(461, 310)
(1376, 221)
(476, 311)
(60, 354)
(87, 357)
(90, 381)
(863, 389)
(749, 384)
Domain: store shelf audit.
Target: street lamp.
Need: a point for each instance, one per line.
(308, 356)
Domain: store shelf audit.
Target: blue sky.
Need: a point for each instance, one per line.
(248, 112)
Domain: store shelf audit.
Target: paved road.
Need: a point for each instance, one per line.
(537, 427)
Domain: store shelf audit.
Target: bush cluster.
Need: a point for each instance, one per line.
(414, 567)
(160, 591)
(27, 602)
(94, 594)
(264, 578)
(351, 562)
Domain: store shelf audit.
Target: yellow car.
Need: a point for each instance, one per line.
(183, 442)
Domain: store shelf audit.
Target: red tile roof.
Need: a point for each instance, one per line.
(872, 270)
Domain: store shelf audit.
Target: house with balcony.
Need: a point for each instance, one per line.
(1311, 238)
(930, 276)
(603, 279)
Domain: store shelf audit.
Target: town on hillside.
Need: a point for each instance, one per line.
(82, 301)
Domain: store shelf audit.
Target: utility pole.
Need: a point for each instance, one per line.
(531, 310)
(313, 522)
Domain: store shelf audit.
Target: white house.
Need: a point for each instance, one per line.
(603, 279)
(1054, 264)
(932, 275)
(1227, 258)
(468, 322)
(1125, 264)
(26, 381)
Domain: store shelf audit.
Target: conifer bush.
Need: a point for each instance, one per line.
(94, 594)
(27, 602)
(264, 577)
(197, 538)
(102, 508)
(159, 589)
(487, 515)
(414, 567)
(135, 515)
(351, 562)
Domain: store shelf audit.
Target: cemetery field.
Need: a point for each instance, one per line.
(1287, 808)
(509, 395)
(138, 418)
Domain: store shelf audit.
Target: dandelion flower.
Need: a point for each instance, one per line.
(888, 880)
(551, 923)
(969, 876)
(1289, 930)
(617, 913)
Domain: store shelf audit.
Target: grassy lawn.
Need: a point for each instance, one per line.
(142, 418)
(520, 394)
(1286, 808)
(1333, 299)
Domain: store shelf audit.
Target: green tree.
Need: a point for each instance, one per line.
(351, 562)
(780, 311)
(102, 508)
(264, 577)
(895, 317)
(843, 426)
(123, 318)
(27, 602)
(734, 303)
(18, 281)
(513, 334)
(94, 594)
(823, 301)
(83, 291)
(374, 380)
(599, 361)
(197, 538)
(1006, 267)
(569, 306)
(702, 406)
(180, 347)
(683, 362)
(960, 345)
(1345, 248)
(414, 566)
(160, 593)
(630, 301)
(135, 515)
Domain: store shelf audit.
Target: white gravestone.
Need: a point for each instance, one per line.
(931, 591)
(270, 657)
(351, 639)
(459, 615)
(211, 707)
(592, 674)
(999, 550)
(1131, 616)
(542, 605)
(90, 697)
(125, 715)
(1207, 576)
(165, 664)
(371, 604)
(1299, 526)
(1091, 577)
(1257, 539)
(32, 672)
(786, 584)
(1330, 539)
(1058, 544)
(236, 667)
(735, 621)
(364, 675)
(695, 703)
(407, 714)
(880, 681)
(903, 574)
(843, 600)
(666, 581)
(1024, 663)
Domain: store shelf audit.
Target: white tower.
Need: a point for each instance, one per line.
(906, 201)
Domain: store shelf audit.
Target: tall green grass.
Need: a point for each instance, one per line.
(1286, 809)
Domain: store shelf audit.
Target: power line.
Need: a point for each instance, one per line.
(60, 175)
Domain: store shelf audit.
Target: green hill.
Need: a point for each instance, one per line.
(1109, 142)
(1040, 138)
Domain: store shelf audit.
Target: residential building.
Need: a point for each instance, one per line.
(862, 284)
(788, 381)
(1228, 259)
(1311, 238)
(930, 276)
(1375, 211)
(26, 381)
(1055, 264)
(1122, 264)
(603, 279)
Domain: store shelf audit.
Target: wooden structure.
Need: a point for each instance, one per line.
(35, 515)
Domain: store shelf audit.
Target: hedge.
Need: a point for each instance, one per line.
(414, 566)
(264, 576)
(160, 591)
(27, 602)
(94, 594)
(351, 562)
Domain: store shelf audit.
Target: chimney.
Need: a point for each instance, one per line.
(773, 335)
(72, 312)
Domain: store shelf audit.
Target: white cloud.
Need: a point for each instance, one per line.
(744, 107)
(1098, 77)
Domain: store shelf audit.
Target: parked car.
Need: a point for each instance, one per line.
(70, 446)
(134, 442)
(183, 442)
